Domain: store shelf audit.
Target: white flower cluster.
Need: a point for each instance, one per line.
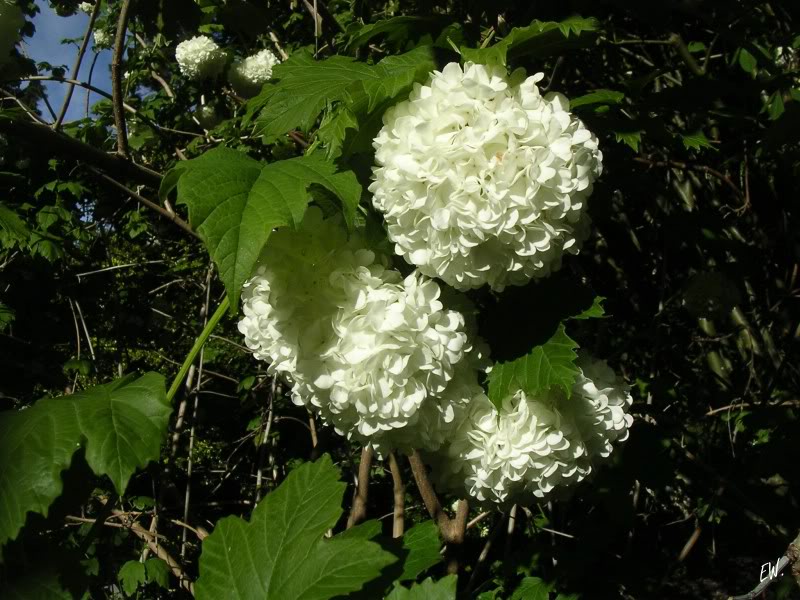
(249, 75)
(532, 446)
(103, 39)
(11, 20)
(200, 57)
(86, 7)
(481, 179)
(360, 344)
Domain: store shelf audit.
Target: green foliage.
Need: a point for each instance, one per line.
(532, 588)
(696, 141)
(157, 571)
(424, 550)
(119, 425)
(693, 243)
(597, 97)
(551, 364)
(235, 202)
(281, 553)
(443, 589)
(12, 228)
(131, 575)
(537, 40)
(305, 87)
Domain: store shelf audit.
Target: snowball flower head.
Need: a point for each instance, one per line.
(102, 39)
(86, 7)
(532, 447)
(249, 75)
(200, 57)
(481, 179)
(360, 344)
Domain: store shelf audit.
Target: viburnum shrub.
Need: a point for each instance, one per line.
(327, 299)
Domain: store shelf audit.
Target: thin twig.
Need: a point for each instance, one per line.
(115, 267)
(715, 411)
(148, 203)
(277, 44)
(152, 541)
(676, 164)
(193, 428)
(86, 331)
(57, 143)
(483, 555)
(89, 81)
(262, 448)
(77, 66)
(116, 78)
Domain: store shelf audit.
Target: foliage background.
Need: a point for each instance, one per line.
(694, 247)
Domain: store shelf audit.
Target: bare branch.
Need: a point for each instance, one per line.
(57, 143)
(359, 511)
(399, 488)
(116, 78)
(77, 66)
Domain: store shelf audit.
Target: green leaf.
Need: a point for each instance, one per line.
(550, 365)
(747, 61)
(595, 311)
(539, 39)
(120, 425)
(131, 576)
(281, 552)
(306, 86)
(333, 129)
(424, 547)
(532, 588)
(157, 572)
(775, 107)
(597, 97)
(696, 141)
(444, 589)
(398, 28)
(235, 202)
(629, 138)
(12, 226)
(6, 317)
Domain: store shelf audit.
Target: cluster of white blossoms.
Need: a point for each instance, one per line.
(360, 344)
(86, 7)
(247, 76)
(534, 446)
(103, 39)
(200, 57)
(11, 20)
(482, 179)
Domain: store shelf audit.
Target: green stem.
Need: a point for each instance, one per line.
(198, 345)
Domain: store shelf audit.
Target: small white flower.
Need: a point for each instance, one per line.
(481, 179)
(103, 39)
(361, 345)
(86, 7)
(200, 57)
(249, 75)
(533, 447)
